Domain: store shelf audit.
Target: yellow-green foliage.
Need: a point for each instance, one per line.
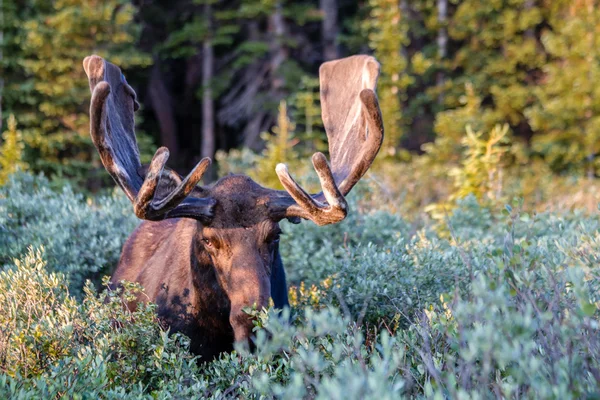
(302, 296)
(55, 40)
(566, 116)
(450, 127)
(306, 112)
(42, 327)
(480, 172)
(34, 332)
(11, 151)
(497, 54)
(387, 34)
(279, 149)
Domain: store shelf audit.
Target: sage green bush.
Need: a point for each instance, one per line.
(482, 303)
(52, 345)
(82, 237)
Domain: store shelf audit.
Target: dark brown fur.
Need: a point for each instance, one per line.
(201, 288)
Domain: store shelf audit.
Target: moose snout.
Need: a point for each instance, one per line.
(241, 321)
(250, 288)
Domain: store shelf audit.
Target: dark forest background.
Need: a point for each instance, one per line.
(211, 74)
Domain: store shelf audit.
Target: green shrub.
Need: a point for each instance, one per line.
(521, 332)
(82, 237)
(52, 345)
(479, 304)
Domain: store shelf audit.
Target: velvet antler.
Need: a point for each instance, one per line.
(354, 127)
(159, 193)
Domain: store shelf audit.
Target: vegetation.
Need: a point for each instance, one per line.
(480, 304)
(211, 74)
(11, 151)
(45, 88)
(82, 237)
(467, 267)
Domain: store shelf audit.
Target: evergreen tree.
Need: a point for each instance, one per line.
(15, 90)
(266, 67)
(387, 35)
(220, 69)
(306, 112)
(11, 151)
(280, 148)
(566, 117)
(499, 54)
(54, 42)
(450, 127)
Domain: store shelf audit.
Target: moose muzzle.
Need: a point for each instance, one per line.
(248, 286)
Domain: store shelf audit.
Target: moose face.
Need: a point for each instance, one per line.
(240, 240)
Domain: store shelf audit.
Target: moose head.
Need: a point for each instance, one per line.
(213, 250)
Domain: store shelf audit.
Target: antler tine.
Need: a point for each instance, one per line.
(374, 138)
(111, 127)
(309, 207)
(145, 206)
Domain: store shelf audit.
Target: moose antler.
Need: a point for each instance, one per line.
(158, 194)
(354, 127)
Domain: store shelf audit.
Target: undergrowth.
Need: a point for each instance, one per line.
(486, 303)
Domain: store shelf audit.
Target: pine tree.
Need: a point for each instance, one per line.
(499, 54)
(280, 148)
(56, 40)
(387, 34)
(480, 171)
(566, 118)
(11, 151)
(263, 73)
(450, 127)
(306, 112)
(15, 91)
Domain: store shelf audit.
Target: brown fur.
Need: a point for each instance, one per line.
(201, 288)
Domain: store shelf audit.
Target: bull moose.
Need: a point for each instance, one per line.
(204, 253)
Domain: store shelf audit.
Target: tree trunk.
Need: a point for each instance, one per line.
(442, 43)
(162, 104)
(329, 29)
(404, 10)
(208, 112)
(277, 49)
(278, 53)
(529, 33)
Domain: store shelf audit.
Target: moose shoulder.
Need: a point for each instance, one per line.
(203, 254)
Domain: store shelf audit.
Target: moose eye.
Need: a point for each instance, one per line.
(274, 237)
(207, 242)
